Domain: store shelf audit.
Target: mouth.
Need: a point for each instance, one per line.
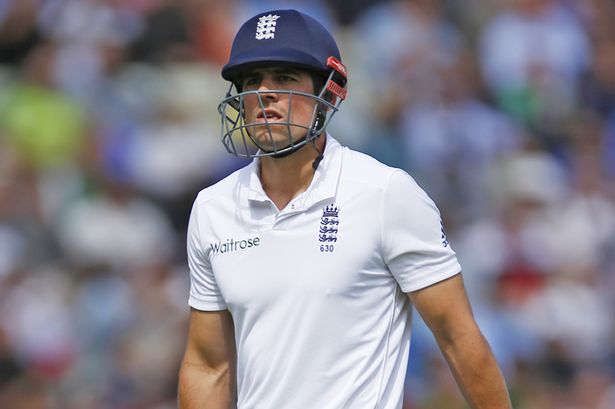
(268, 115)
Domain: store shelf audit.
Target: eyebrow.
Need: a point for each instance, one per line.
(286, 70)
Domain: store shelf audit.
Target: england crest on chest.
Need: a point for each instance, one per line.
(329, 228)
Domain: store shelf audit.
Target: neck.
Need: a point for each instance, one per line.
(285, 178)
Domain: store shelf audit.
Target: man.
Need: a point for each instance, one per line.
(305, 264)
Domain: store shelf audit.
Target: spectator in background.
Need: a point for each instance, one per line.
(18, 30)
(533, 55)
(419, 42)
(46, 126)
(599, 90)
(453, 139)
(116, 228)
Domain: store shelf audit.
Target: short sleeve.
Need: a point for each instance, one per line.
(204, 292)
(415, 247)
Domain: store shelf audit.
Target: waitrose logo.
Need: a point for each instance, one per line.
(233, 245)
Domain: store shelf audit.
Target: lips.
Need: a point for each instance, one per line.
(270, 114)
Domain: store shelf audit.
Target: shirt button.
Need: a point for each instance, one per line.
(292, 206)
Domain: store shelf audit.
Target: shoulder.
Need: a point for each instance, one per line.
(368, 171)
(224, 189)
(363, 173)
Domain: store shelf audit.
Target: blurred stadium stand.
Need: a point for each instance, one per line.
(504, 111)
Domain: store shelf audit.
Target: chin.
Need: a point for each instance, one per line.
(278, 133)
(281, 142)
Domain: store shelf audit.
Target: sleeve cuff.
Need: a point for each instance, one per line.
(448, 271)
(216, 305)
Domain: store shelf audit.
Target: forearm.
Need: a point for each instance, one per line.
(476, 371)
(205, 388)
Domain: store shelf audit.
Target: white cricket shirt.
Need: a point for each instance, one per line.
(316, 290)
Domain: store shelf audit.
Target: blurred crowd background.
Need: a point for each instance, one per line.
(503, 110)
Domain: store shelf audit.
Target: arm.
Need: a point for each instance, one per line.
(207, 373)
(446, 310)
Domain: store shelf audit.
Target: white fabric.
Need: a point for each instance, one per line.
(318, 324)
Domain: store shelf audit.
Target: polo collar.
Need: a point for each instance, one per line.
(323, 185)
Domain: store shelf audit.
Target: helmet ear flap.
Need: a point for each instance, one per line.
(337, 81)
(331, 90)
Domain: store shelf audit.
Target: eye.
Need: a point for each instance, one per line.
(251, 81)
(286, 78)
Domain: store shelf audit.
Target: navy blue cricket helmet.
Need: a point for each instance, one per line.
(281, 37)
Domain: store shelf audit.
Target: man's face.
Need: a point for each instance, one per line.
(274, 110)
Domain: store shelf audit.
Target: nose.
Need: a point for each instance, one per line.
(265, 87)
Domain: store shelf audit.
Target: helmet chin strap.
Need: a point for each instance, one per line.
(320, 156)
(301, 143)
(284, 154)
